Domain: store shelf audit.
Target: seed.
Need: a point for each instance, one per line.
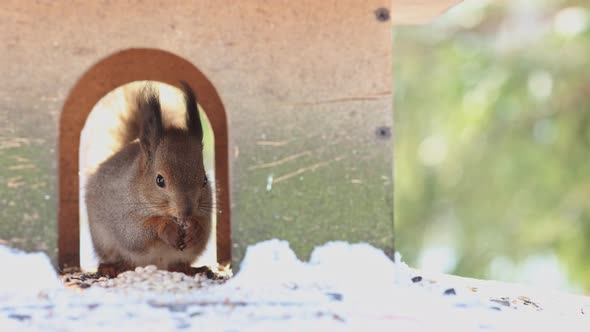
(450, 291)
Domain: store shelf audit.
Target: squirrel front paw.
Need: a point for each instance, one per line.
(195, 234)
(173, 235)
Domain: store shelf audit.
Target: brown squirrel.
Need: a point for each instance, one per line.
(151, 202)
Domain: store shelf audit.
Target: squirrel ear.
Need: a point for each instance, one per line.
(151, 120)
(193, 120)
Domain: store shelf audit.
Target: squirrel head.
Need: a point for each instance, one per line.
(172, 177)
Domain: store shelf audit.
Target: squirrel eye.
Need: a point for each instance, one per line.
(205, 181)
(160, 181)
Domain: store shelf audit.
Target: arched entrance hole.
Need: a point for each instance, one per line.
(114, 71)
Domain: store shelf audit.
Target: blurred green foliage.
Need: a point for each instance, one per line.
(492, 138)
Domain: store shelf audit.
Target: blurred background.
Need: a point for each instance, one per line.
(492, 142)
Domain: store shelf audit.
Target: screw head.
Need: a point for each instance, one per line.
(382, 14)
(383, 132)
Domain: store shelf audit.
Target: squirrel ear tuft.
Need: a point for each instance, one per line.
(151, 120)
(193, 120)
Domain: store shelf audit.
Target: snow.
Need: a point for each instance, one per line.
(343, 287)
(23, 267)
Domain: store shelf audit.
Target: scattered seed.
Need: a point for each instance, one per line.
(335, 296)
(20, 317)
(338, 318)
(416, 279)
(450, 291)
(147, 278)
(501, 301)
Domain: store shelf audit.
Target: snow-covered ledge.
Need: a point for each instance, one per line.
(343, 287)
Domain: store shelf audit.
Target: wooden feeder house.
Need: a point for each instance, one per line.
(298, 95)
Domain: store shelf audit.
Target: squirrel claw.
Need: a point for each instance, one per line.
(182, 223)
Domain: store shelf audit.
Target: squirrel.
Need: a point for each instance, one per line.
(151, 202)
